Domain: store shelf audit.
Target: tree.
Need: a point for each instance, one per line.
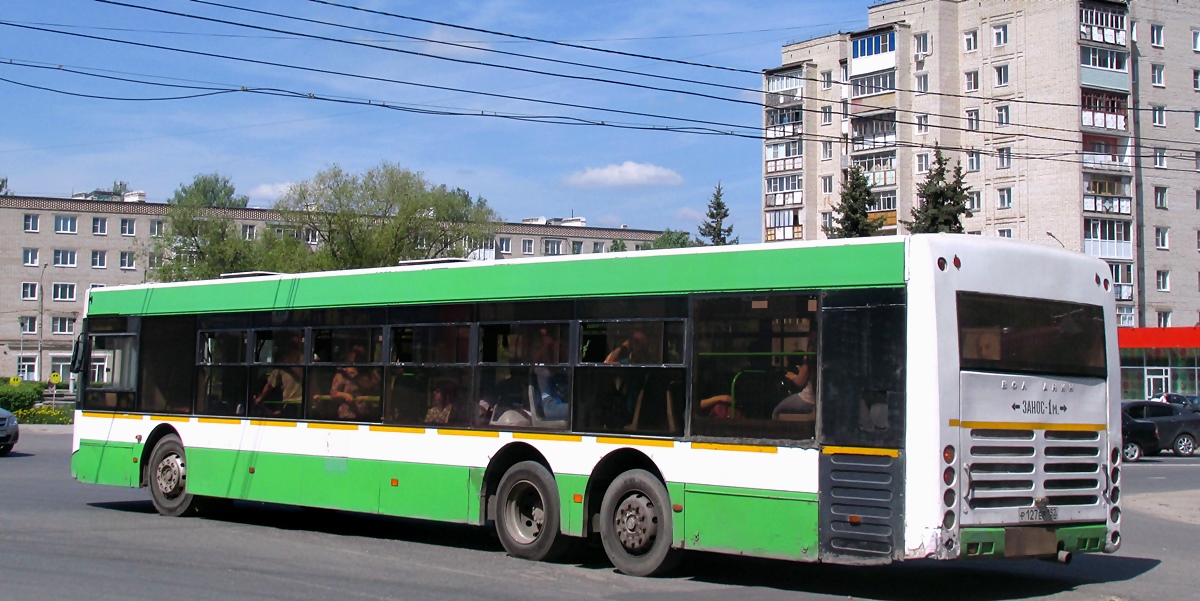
(673, 239)
(714, 227)
(385, 215)
(942, 204)
(200, 242)
(617, 246)
(4, 187)
(852, 219)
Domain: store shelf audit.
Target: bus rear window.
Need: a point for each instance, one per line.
(1027, 335)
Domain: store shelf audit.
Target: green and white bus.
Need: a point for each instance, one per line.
(850, 401)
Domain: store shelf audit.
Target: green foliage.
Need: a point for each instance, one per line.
(673, 239)
(45, 415)
(22, 396)
(199, 243)
(851, 217)
(714, 228)
(942, 203)
(617, 246)
(385, 215)
(4, 186)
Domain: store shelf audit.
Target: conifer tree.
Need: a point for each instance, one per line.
(941, 204)
(852, 219)
(714, 228)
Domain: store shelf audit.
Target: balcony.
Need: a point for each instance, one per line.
(1123, 292)
(882, 140)
(1109, 249)
(870, 104)
(788, 164)
(1106, 162)
(1102, 35)
(787, 232)
(785, 130)
(1102, 120)
(784, 199)
(1117, 205)
(881, 178)
(1095, 77)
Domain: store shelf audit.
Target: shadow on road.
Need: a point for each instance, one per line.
(14, 454)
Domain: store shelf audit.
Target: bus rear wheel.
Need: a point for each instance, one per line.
(167, 477)
(528, 515)
(635, 525)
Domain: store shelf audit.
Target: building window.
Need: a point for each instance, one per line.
(971, 41)
(826, 80)
(1101, 58)
(64, 258)
(1001, 75)
(94, 286)
(154, 261)
(1198, 165)
(1004, 198)
(1156, 75)
(62, 325)
(922, 83)
(922, 124)
(923, 162)
(552, 247)
(827, 184)
(877, 83)
(1156, 36)
(1161, 238)
(156, 228)
(28, 324)
(1162, 279)
(577, 247)
(126, 260)
(1160, 197)
(974, 158)
(826, 151)
(127, 227)
(1125, 316)
(1005, 232)
(597, 247)
(1164, 319)
(504, 245)
(1158, 115)
(879, 43)
(29, 290)
(64, 224)
(31, 222)
(99, 226)
(973, 119)
(974, 201)
(826, 115)
(1003, 158)
(1160, 157)
(972, 81)
(826, 220)
(29, 257)
(248, 231)
(27, 368)
(921, 43)
(526, 246)
(311, 236)
(1002, 116)
(62, 292)
(1000, 35)
(99, 259)
(1196, 41)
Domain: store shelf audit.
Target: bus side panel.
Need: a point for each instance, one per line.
(341, 483)
(760, 523)
(214, 473)
(431, 492)
(100, 462)
(572, 513)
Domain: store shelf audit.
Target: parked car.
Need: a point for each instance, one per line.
(9, 432)
(1178, 428)
(1138, 438)
(1168, 397)
(1189, 402)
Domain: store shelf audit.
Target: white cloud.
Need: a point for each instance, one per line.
(625, 175)
(689, 214)
(269, 192)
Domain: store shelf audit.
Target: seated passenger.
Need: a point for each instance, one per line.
(441, 405)
(801, 399)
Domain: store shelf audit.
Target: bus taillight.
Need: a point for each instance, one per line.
(948, 454)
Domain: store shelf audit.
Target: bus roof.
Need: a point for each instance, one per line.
(757, 267)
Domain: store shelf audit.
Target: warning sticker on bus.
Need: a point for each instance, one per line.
(1036, 514)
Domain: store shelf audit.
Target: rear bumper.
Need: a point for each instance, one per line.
(1031, 541)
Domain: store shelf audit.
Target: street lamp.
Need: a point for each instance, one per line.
(41, 317)
(1055, 238)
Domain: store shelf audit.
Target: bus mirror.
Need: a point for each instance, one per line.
(77, 355)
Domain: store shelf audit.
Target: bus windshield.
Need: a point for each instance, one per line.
(1025, 335)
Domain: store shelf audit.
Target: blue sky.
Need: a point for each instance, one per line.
(53, 144)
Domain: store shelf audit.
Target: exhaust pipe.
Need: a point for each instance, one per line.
(1064, 557)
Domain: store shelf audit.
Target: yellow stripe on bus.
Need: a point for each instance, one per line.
(400, 429)
(321, 426)
(643, 442)
(170, 418)
(860, 451)
(745, 448)
(539, 436)
(1028, 426)
(271, 422)
(97, 415)
(483, 433)
(217, 420)
(127, 416)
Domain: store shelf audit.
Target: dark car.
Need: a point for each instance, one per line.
(1178, 428)
(1187, 401)
(1138, 438)
(9, 431)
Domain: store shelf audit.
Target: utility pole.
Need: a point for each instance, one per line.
(41, 317)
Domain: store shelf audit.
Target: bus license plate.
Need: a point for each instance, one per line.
(1035, 514)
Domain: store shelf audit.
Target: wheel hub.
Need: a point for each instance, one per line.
(525, 513)
(637, 523)
(170, 475)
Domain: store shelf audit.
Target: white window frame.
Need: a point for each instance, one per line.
(1162, 280)
(921, 43)
(32, 222)
(973, 121)
(827, 114)
(127, 260)
(1002, 75)
(1195, 40)
(1162, 238)
(65, 257)
(1160, 158)
(62, 221)
(826, 184)
(1158, 75)
(552, 247)
(921, 82)
(1004, 198)
(29, 257)
(922, 122)
(1004, 232)
(1003, 116)
(59, 290)
(1160, 197)
(974, 160)
(826, 80)
(27, 324)
(62, 325)
(504, 245)
(1163, 319)
(29, 290)
(922, 162)
(1156, 35)
(99, 226)
(974, 200)
(527, 246)
(1000, 35)
(971, 81)
(156, 228)
(1158, 116)
(1004, 158)
(128, 226)
(99, 259)
(827, 150)
(971, 40)
(597, 247)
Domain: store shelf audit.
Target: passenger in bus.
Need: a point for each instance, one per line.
(801, 399)
(441, 404)
(288, 379)
(634, 350)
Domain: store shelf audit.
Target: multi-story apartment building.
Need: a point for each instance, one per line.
(1076, 123)
(53, 250)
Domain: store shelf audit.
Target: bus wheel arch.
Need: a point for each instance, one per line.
(498, 466)
(151, 441)
(166, 476)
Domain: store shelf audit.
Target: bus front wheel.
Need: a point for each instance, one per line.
(528, 516)
(635, 525)
(167, 477)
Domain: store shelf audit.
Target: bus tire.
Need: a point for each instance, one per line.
(167, 477)
(529, 514)
(636, 525)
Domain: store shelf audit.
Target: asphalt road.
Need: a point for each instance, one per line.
(63, 540)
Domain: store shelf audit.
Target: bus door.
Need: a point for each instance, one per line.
(861, 407)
